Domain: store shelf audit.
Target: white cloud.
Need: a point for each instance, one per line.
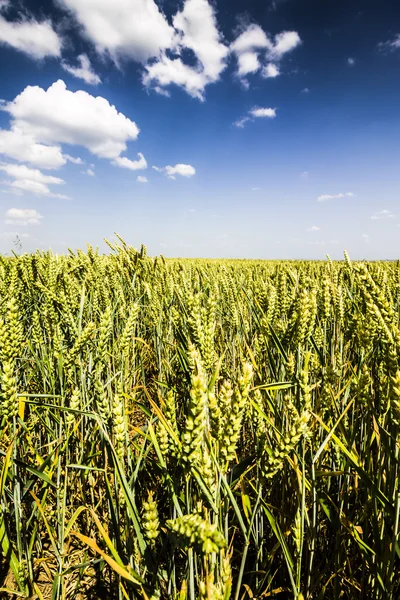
(90, 172)
(253, 46)
(390, 45)
(314, 228)
(123, 28)
(138, 30)
(179, 169)
(252, 38)
(256, 113)
(269, 113)
(285, 42)
(133, 165)
(195, 29)
(57, 115)
(84, 71)
(247, 47)
(396, 42)
(142, 179)
(304, 175)
(270, 71)
(325, 197)
(351, 62)
(30, 180)
(383, 214)
(305, 90)
(23, 147)
(248, 63)
(22, 216)
(74, 160)
(197, 26)
(27, 35)
(241, 122)
(366, 238)
(20, 186)
(173, 70)
(159, 90)
(22, 172)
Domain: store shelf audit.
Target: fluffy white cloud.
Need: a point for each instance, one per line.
(31, 181)
(22, 147)
(57, 115)
(285, 42)
(84, 71)
(27, 35)
(269, 113)
(351, 62)
(19, 186)
(252, 47)
(123, 28)
(247, 48)
(383, 214)
(22, 216)
(90, 172)
(74, 160)
(195, 29)
(256, 113)
(248, 63)
(137, 29)
(179, 169)
(252, 38)
(198, 31)
(325, 197)
(270, 71)
(141, 179)
(314, 228)
(22, 172)
(133, 165)
(173, 70)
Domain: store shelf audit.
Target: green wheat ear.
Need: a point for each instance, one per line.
(151, 523)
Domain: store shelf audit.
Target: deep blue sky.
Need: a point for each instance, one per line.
(255, 189)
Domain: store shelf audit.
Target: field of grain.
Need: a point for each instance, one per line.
(198, 429)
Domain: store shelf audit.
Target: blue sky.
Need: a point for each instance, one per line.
(273, 126)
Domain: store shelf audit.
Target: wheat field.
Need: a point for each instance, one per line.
(198, 429)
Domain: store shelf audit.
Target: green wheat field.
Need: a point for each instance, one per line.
(198, 429)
